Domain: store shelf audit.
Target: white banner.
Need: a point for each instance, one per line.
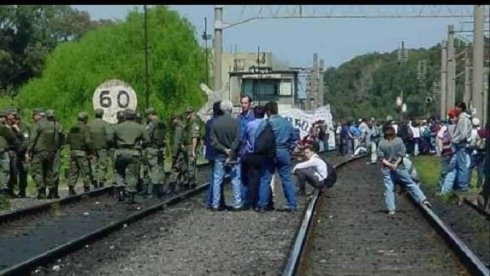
(303, 120)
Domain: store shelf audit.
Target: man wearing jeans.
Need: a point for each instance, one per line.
(285, 142)
(460, 137)
(225, 140)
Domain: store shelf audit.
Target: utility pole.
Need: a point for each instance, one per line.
(314, 83)
(451, 68)
(320, 84)
(218, 45)
(205, 36)
(478, 56)
(147, 81)
(402, 59)
(443, 97)
(467, 98)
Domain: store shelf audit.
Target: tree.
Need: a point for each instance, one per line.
(75, 69)
(29, 32)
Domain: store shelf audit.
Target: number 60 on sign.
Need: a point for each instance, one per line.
(113, 96)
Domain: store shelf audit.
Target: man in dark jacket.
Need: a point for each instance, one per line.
(225, 140)
(211, 154)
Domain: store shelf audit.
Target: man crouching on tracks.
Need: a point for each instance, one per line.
(225, 140)
(315, 171)
(390, 152)
(126, 136)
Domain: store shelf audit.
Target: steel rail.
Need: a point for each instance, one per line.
(304, 231)
(57, 203)
(70, 246)
(462, 251)
(477, 208)
(467, 257)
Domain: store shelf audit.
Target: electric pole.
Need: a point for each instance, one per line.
(478, 59)
(451, 68)
(320, 84)
(205, 36)
(443, 97)
(467, 98)
(218, 45)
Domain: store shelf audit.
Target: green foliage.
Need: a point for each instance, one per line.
(29, 32)
(367, 86)
(75, 69)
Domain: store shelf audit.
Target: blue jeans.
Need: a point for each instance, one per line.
(283, 165)
(244, 186)
(461, 166)
(218, 175)
(478, 162)
(450, 174)
(209, 197)
(264, 185)
(401, 174)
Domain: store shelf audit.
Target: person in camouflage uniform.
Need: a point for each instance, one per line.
(193, 129)
(18, 164)
(79, 140)
(126, 136)
(179, 155)
(142, 186)
(112, 144)
(7, 142)
(155, 151)
(50, 116)
(100, 134)
(42, 150)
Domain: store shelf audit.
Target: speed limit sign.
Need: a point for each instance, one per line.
(113, 96)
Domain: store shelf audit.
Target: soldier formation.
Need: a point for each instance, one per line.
(134, 151)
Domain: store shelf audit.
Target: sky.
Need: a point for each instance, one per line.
(294, 41)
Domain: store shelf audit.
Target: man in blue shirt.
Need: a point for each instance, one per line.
(246, 116)
(253, 163)
(285, 142)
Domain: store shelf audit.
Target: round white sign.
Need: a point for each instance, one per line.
(113, 96)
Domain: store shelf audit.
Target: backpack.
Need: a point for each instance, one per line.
(265, 142)
(332, 175)
(427, 133)
(159, 134)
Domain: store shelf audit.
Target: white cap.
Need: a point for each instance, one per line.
(475, 122)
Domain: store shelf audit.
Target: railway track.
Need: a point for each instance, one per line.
(347, 232)
(38, 234)
(477, 208)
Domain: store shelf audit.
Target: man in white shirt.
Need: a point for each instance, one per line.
(313, 171)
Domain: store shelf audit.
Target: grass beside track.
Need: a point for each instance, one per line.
(429, 169)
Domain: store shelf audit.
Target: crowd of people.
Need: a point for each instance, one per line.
(133, 151)
(459, 141)
(252, 147)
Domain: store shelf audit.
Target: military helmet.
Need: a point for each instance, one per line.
(50, 113)
(149, 111)
(130, 114)
(99, 112)
(82, 115)
(38, 111)
(120, 115)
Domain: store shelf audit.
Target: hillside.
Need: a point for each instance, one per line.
(367, 86)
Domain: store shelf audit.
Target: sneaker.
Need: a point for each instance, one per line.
(391, 213)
